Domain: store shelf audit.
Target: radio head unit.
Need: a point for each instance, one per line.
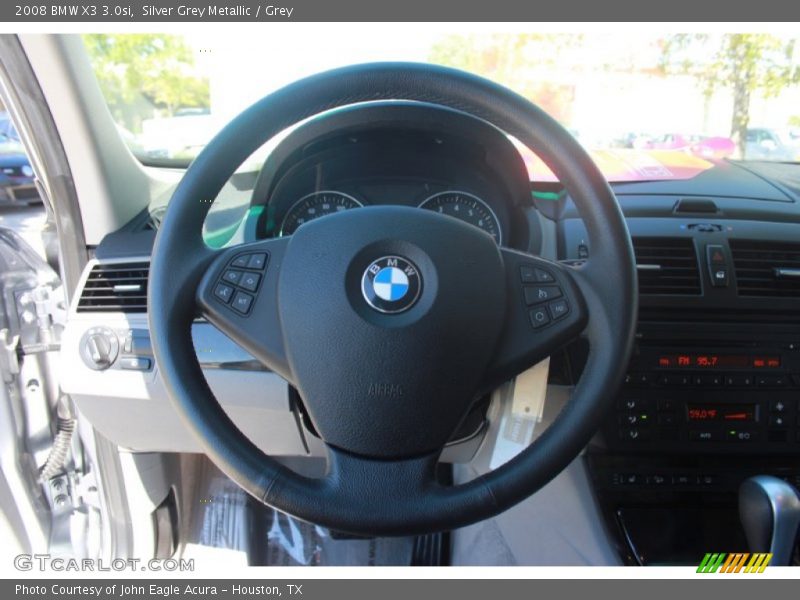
(690, 398)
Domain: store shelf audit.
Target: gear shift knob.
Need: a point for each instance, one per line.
(769, 509)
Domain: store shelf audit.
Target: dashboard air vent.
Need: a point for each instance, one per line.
(767, 269)
(666, 266)
(119, 287)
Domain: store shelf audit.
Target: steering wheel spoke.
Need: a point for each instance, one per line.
(238, 294)
(545, 310)
(363, 481)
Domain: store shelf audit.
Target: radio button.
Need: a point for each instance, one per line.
(708, 379)
(635, 404)
(632, 419)
(638, 379)
(667, 404)
(738, 380)
(771, 380)
(777, 421)
(744, 435)
(656, 480)
(706, 479)
(703, 435)
(675, 379)
(666, 419)
(630, 479)
(777, 406)
(635, 434)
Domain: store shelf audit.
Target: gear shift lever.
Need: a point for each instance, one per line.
(769, 509)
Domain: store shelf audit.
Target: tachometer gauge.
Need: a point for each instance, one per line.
(467, 207)
(314, 206)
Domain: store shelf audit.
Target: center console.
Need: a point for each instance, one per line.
(711, 395)
(702, 408)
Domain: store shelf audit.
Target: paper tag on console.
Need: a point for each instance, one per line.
(522, 405)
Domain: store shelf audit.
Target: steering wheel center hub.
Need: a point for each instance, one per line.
(420, 320)
(391, 284)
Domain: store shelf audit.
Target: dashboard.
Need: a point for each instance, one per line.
(711, 394)
(406, 154)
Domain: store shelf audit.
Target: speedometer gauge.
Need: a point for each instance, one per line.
(314, 206)
(467, 207)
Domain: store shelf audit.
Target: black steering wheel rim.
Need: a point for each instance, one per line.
(407, 500)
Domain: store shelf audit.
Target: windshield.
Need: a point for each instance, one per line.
(646, 106)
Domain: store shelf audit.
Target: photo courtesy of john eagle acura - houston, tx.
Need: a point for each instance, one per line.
(462, 297)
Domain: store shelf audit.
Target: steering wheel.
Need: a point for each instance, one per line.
(391, 321)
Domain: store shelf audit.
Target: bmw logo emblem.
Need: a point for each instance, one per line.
(391, 284)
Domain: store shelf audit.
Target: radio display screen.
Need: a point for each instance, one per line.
(741, 413)
(718, 361)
